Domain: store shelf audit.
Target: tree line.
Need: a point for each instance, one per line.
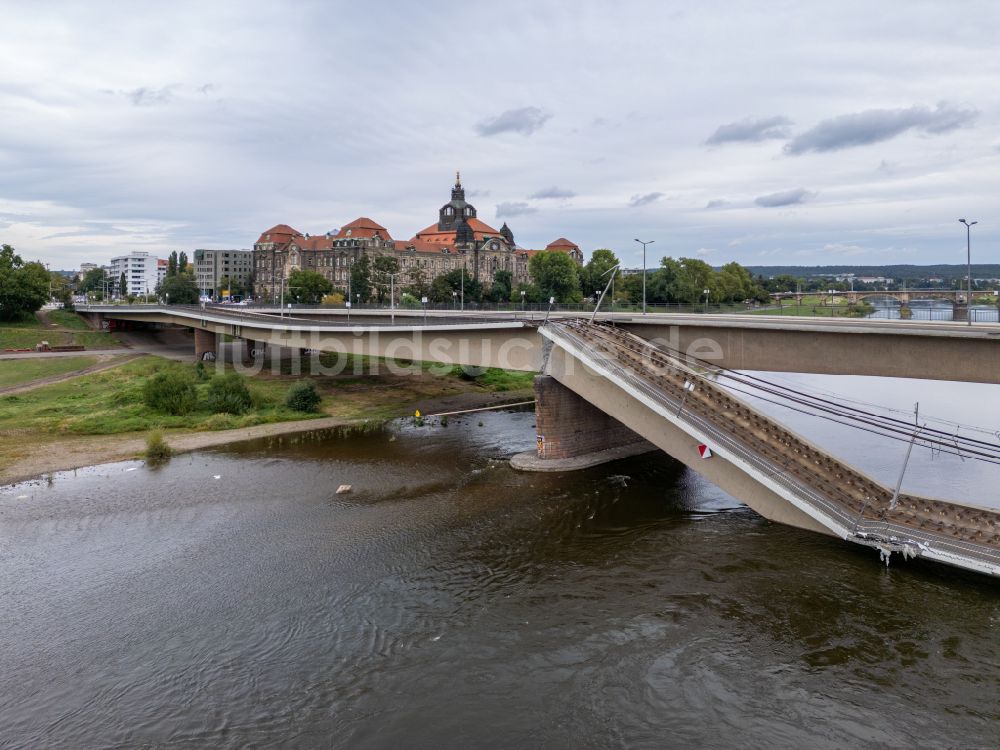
(553, 275)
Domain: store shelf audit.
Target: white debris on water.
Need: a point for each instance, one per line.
(217, 476)
(343, 489)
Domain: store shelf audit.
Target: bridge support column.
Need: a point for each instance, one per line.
(254, 349)
(573, 434)
(205, 342)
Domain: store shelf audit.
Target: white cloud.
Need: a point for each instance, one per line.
(180, 133)
(514, 208)
(525, 121)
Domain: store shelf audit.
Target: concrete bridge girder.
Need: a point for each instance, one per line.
(509, 346)
(843, 352)
(660, 429)
(823, 346)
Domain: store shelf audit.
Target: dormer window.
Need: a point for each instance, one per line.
(348, 233)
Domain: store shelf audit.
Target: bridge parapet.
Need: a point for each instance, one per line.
(773, 461)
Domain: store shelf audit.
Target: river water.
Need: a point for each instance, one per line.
(231, 598)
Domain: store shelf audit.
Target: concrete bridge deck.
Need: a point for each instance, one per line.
(778, 473)
(890, 348)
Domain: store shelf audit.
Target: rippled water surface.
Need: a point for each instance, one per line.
(232, 599)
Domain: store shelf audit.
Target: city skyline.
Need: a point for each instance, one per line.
(784, 134)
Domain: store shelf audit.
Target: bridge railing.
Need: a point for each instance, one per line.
(873, 532)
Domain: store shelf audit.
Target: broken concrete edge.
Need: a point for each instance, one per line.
(529, 460)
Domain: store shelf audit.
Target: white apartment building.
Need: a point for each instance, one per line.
(140, 269)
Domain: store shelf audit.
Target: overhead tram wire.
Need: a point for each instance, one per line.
(848, 416)
(848, 399)
(849, 412)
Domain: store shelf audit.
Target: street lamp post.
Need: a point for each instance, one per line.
(650, 242)
(454, 300)
(968, 261)
(706, 292)
(522, 300)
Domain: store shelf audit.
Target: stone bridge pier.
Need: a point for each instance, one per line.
(572, 433)
(205, 342)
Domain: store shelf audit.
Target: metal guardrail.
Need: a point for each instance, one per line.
(881, 534)
(250, 315)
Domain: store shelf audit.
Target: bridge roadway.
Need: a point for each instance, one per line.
(833, 346)
(776, 472)
(636, 381)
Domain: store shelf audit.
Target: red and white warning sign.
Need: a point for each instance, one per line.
(704, 451)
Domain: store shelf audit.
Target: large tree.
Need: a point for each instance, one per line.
(555, 274)
(361, 279)
(24, 287)
(441, 291)
(308, 286)
(182, 262)
(179, 289)
(93, 281)
(594, 275)
(503, 281)
(463, 283)
(384, 269)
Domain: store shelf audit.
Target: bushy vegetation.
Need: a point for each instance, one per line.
(171, 392)
(24, 287)
(303, 396)
(228, 394)
(157, 448)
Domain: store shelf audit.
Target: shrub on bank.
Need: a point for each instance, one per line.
(229, 394)
(170, 392)
(157, 448)
(303, 396)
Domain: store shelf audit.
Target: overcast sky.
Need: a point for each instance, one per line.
(767, 133)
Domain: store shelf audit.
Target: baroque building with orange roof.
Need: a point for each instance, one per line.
(459, 239)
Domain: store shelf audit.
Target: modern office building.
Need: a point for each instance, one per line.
(140, 269)
(219, 271)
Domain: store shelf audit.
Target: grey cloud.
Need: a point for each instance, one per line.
(478, 193)
(552, 192)
(643, 200)
(875, 125)
(784, 198)
(749, 129)
(718, 203)
(146, 97)
(514, 208)
(525, 121)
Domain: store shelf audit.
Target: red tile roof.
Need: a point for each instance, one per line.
(480, 230)
(435, 247)
(316, 242)
(364, 228)
(279, 233)
(562, 242)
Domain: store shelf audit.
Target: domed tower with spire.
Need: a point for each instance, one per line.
(455, 212)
